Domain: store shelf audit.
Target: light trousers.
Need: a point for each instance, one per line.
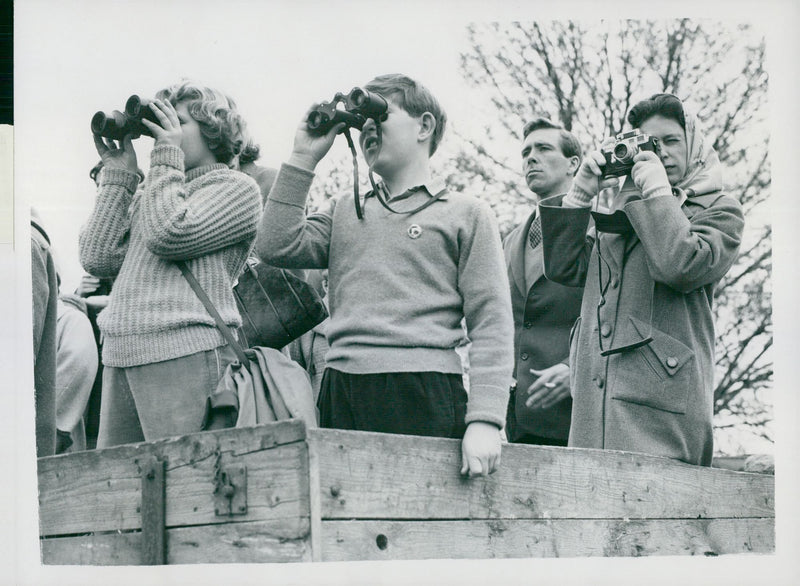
(158, 400)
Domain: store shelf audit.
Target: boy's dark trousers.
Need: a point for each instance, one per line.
(411, 403)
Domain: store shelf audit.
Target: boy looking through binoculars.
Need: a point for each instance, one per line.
(400, 282)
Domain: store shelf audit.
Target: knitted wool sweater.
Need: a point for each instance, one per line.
(399, 284)
(207, 217)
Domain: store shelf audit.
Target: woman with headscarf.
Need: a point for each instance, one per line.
(642, 351)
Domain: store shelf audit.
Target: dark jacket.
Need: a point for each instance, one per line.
(544, 313)
(659, 283)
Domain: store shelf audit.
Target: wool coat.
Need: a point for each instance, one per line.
(44, 285)
(650, 298)
(544, 313)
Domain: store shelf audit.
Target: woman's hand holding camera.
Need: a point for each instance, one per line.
(168, 131)
(589, 180)
(309, 148)
(649, 175)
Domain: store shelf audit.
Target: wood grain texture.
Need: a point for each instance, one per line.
(284, 540)
(101, 490)
(380, 497)
(409, 540)
(315, 503)
(154, 546)
(380, 476)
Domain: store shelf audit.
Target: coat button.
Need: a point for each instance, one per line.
(605, 330)
(528, 325)
(524, 356)
(672, 362)
(614, 283)
(599, 381)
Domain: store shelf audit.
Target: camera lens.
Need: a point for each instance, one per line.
(621, 151)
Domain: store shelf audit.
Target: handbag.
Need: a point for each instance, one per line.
(262, 386)
(276, 305)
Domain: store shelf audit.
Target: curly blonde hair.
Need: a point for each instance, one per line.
(220, 123)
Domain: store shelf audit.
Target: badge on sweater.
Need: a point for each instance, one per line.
(414, 231)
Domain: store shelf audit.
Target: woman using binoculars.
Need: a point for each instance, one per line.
(162, 351)
(642, 351)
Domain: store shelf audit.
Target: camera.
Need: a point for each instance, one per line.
(359, 105)
(117, 124)
(619, 156)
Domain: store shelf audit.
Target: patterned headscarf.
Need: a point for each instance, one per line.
(703, 169)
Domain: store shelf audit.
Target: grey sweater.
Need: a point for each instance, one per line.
(207, 217)
(399, 284)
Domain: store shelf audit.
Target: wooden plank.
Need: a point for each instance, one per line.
(415, 540)
(154, 547)
(282, 540)
(380, 476)
(101, 490)
(315, 502)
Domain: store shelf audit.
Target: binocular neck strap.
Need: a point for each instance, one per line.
(356, 196)
(380, 195)
(376, 189)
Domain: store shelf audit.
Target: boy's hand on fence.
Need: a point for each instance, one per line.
(309, 148)
(168, 130)
(480, 449)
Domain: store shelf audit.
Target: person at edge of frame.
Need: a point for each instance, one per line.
(162, 351)
(544, 311)
(44, 287)
(76, 369)
(643, 348)
(400, 283)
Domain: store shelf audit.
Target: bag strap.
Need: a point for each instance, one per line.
(223, 327)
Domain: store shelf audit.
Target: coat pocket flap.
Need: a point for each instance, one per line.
(671, 353)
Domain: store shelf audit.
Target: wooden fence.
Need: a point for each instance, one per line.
(280, 493)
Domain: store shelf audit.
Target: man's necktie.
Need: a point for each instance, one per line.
(535, 233)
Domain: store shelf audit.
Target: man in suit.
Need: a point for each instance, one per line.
(544, 311)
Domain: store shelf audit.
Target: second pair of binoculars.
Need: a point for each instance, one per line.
(118, 124)
(357, 106)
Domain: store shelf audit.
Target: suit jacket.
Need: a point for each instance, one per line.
(544, 313)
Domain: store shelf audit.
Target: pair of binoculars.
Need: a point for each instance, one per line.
(117, 124)
(359, 105)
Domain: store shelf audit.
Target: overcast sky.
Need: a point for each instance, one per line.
(273, 58)
(276, 57)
